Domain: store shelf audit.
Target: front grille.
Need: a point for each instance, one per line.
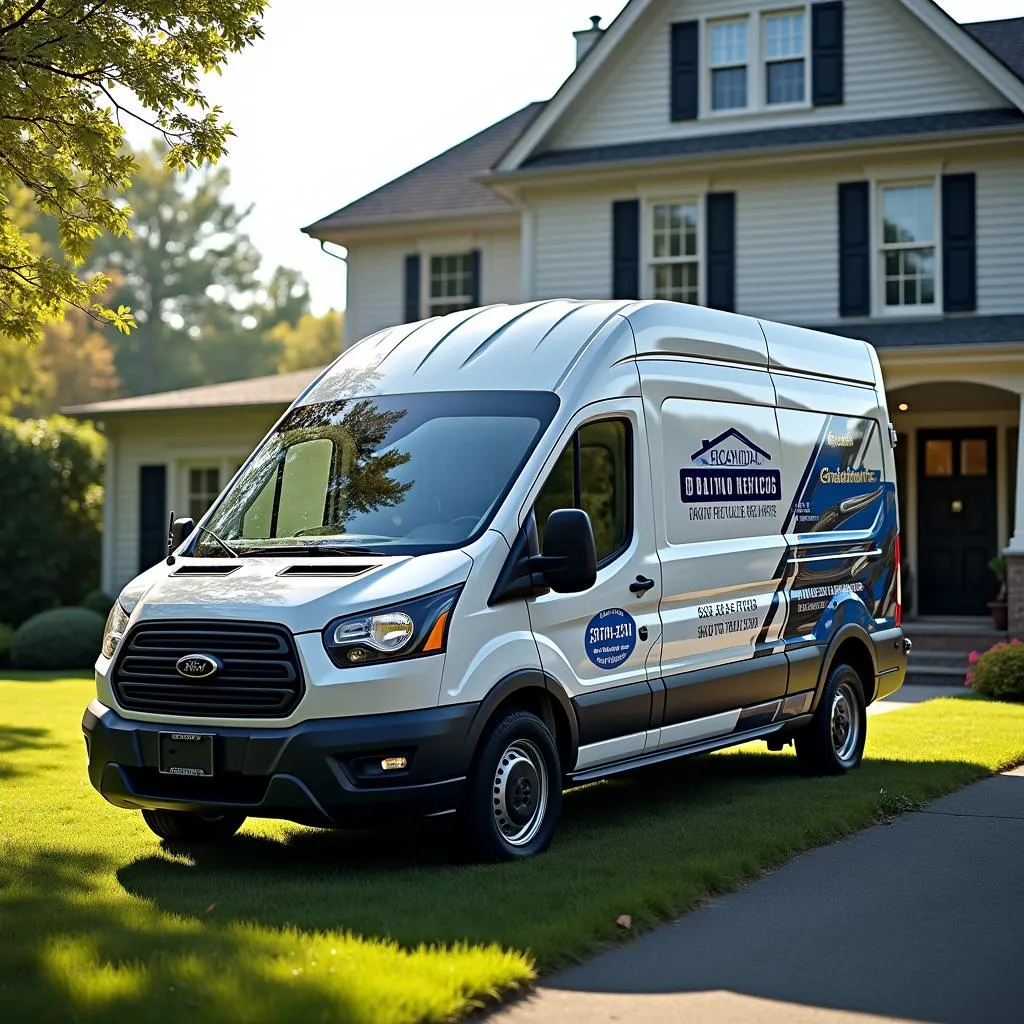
(259, 675)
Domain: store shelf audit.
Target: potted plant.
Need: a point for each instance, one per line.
(998, 606)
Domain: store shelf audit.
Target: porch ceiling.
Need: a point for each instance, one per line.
(953, 396)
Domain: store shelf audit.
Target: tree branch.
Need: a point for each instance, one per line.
(34, 9)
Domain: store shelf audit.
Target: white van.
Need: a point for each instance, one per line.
(495, 554)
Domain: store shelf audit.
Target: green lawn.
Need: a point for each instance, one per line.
(98, 922)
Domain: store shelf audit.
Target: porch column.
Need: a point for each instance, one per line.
(1015, 552)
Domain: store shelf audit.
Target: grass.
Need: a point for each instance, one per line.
(100, 922)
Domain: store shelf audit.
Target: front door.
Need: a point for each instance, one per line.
(956, 520)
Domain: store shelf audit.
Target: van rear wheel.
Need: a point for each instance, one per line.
(187, 827)
(515, 790)
(833, 742)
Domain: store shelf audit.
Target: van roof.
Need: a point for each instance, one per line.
(536, 346)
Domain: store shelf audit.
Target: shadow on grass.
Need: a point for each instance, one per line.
(14, 675)
(14, 739)
(652, 844)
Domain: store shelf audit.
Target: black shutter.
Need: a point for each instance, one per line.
(626, 249)
(721, 250)
(827, 54)
(854, 249)
(474, 278)
(412, 287)
(152, 515)
(684, 72)
(959, 272)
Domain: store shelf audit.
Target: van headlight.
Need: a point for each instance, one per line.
(407, 630)
(117, 622)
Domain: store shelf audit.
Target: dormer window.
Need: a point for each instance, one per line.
(729, 64)
(785, 57)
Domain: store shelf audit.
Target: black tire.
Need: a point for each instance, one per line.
(514, 791)
(186, 827)
(833, 742)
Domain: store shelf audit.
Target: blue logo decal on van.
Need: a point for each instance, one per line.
(610, 637)
(730, 469)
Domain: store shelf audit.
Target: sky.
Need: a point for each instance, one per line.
(341, 96)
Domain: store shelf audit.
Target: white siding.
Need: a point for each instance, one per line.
(376, 275)
(376, 288)
(1000, 226)
(573, 239)
(787, 245)
(171, 440)
(895, 67)
(787, 248)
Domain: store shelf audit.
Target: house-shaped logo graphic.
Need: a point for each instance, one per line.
(730, 449)
(730, 468)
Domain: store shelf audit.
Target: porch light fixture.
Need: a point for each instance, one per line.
(903, 407)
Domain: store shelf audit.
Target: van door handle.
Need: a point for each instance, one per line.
(641, 586)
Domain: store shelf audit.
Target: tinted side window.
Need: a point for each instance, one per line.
(593, 473)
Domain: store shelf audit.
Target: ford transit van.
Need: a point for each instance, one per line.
(495, 554)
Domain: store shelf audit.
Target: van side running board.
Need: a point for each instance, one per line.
(731, 739)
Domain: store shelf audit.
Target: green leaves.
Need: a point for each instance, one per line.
(71, 71)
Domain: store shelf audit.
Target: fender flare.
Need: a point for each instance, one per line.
(851, 630)
(521, 679)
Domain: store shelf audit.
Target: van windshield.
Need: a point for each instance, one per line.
(398, 474)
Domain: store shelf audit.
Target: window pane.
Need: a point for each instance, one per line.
(604, 483)
(938, 457)
(786, 82)
(908, 214)
(729, 42)
(449, 284)
(784, 35)
(974, 457)
(676, 282)
(675, 230)
(557, 492)
(307, 469)
(729, 89)
(909, 277)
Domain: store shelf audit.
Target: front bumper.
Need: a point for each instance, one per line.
(323, 773)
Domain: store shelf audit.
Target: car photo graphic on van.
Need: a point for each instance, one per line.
(498, 553)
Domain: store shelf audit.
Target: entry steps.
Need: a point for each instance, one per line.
(941, 647)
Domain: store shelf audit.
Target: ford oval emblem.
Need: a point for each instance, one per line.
(197, 666)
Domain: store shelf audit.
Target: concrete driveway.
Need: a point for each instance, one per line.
(919, 920)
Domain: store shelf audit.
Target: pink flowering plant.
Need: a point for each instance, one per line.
(999, 671)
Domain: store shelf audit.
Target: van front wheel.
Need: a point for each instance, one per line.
(515, 790)
(833, 742)
(187, 827)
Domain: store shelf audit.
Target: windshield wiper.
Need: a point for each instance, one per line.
(223, 543)
(309, 549)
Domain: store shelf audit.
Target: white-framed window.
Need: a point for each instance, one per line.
(908, 235)
(449, 284)
(728, 63)
(203, 486)
(675, 250)
(785, 57)
(201, 481)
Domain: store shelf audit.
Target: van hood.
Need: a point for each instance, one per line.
(304, 594)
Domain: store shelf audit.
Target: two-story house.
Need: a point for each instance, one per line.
(856, 166)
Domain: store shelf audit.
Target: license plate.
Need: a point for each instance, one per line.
(186, 753)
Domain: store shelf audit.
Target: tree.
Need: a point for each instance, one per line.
(313, 341)
(189, 274)
(69, 71)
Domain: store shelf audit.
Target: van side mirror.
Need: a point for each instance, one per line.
(181, 530)
(569, 559)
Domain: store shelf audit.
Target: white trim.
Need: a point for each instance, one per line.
(527, 244)
(878, 185)
(1016, 544)
(649, 261)
(110, 476)
(933, 17)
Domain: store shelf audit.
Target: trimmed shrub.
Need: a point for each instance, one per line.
(999, 672)
(98, 601)
(6, 636)
(51, 500)
(62, 638)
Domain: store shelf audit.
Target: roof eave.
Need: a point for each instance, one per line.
(341, 232)
(90, 412)
(776, 154)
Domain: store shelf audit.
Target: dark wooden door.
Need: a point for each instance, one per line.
(956, 520)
